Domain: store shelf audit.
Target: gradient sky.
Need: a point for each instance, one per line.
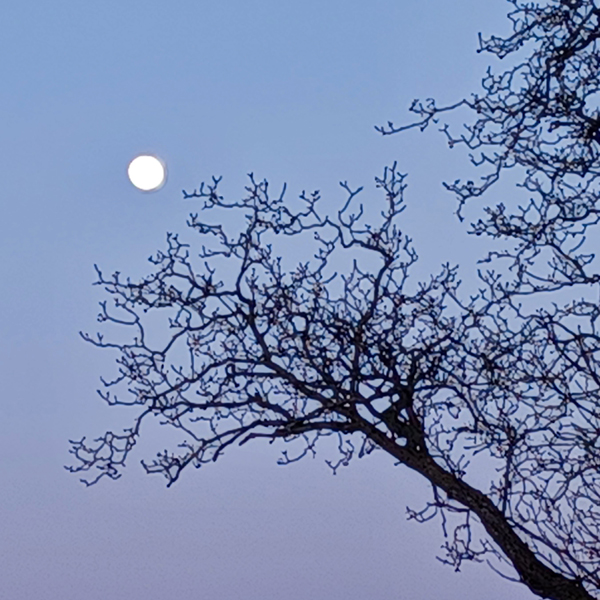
(290, 91)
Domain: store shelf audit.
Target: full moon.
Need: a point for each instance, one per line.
(147, 172)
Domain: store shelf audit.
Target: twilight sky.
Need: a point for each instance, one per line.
(287, 90)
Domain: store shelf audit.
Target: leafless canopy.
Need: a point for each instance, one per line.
(509, 378)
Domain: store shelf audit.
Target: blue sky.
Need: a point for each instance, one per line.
(287, 90)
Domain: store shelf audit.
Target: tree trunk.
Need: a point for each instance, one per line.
(539, 578)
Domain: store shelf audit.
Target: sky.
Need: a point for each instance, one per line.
(290, 91)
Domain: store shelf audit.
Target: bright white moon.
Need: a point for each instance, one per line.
(146, 172)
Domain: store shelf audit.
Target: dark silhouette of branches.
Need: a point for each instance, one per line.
(345, 344)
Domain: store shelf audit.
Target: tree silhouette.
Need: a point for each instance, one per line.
(254, 349)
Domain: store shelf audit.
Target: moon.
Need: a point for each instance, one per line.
(147, 172)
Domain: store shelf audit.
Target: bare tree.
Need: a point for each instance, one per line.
(253, 349)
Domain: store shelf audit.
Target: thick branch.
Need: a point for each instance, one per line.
(539, 578)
